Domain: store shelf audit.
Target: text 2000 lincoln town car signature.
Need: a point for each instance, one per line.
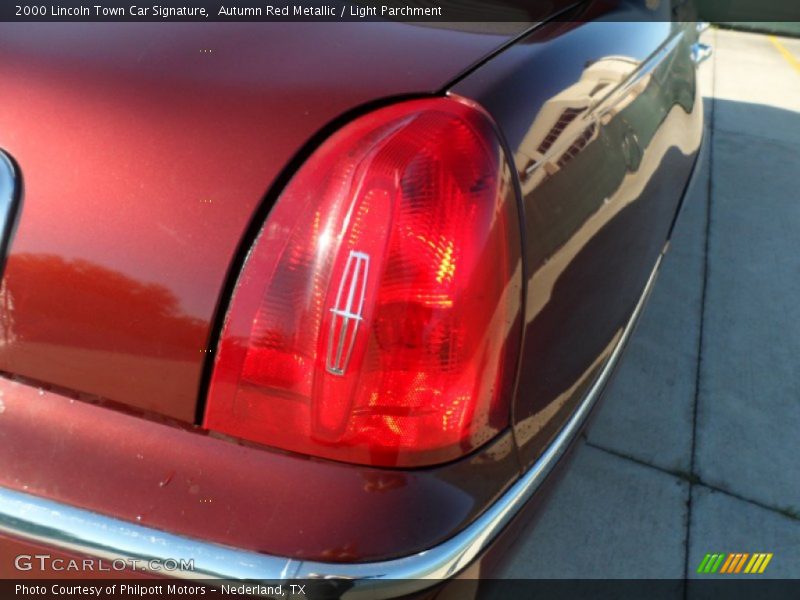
(330, 300)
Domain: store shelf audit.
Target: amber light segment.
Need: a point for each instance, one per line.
(377, 318)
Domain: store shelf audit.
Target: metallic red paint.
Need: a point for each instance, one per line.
(129, 261)
(181, 480)
(144, 159)
(604, 127)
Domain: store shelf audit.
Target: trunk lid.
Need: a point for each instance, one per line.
(145, 150)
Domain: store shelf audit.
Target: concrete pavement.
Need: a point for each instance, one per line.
(697, 448)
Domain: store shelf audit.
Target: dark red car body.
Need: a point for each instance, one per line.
(150, 156)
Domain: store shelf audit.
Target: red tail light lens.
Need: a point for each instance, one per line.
(376, 319)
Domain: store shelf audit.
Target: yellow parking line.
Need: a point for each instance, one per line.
(785, 53)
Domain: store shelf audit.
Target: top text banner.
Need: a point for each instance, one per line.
(528, 11)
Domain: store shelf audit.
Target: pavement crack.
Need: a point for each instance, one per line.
(694, 480)
(785, 511)
(677, 473)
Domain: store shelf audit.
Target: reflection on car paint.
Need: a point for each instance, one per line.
(602, 163)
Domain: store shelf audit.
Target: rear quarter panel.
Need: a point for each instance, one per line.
(604, 121)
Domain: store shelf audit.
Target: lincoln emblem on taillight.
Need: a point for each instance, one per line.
(347, 312)
(378, 314)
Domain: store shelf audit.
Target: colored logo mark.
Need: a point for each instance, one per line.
(740, 562)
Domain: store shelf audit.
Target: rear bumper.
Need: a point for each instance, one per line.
(53, 524)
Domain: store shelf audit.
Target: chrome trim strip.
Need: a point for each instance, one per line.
(8, 181)
(74, 529)
(647, 67)
(614, 97)
(10, 200)
(701, 52)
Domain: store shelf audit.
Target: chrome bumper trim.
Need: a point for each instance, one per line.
(56, 525)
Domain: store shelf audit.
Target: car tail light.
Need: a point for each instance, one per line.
(376, 319)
